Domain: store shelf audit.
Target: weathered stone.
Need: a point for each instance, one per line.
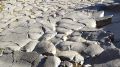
(103, 21)
(66, 64)
(91, 23)
(97, 35)
(6, 60)
(93, 48)
(77, 39)
(52, 61)
(46, 47)
(109, 57)
(98, 14)
(30, 46)
(63, 30)
(112, 6)
(29, 58)
(10, 45)
(56, 40)
(48, 35)
(35, 36)
(70, 45)
(72, 26)
(71, 56)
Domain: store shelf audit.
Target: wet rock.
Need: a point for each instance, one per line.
(56, 40)
(52, 61)
(103, 21)
(46, 47)
(97, 35)
(111, 6)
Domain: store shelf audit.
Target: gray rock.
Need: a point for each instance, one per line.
(63, 30)
(46, 47)
(103, 21)
(77, 39)
(91, 23)
(19, 59)
(66, 20)
(35, 36)
(93, 48)
(66, 64)
(71, 56)
(30, 46)
(48, 35)
(20, 39)
(71, 26)
(97, 35)
(52, 61)
(70, 45)
(10, 45)
(56, 40)
(105, 38)
(6, 60)
(31, 58)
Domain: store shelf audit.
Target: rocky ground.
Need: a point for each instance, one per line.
(59, 33)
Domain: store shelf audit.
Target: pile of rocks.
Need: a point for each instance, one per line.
(52, 33)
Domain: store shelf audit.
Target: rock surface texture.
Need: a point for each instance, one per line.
(59, 33)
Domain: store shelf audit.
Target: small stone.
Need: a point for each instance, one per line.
(52, 61)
